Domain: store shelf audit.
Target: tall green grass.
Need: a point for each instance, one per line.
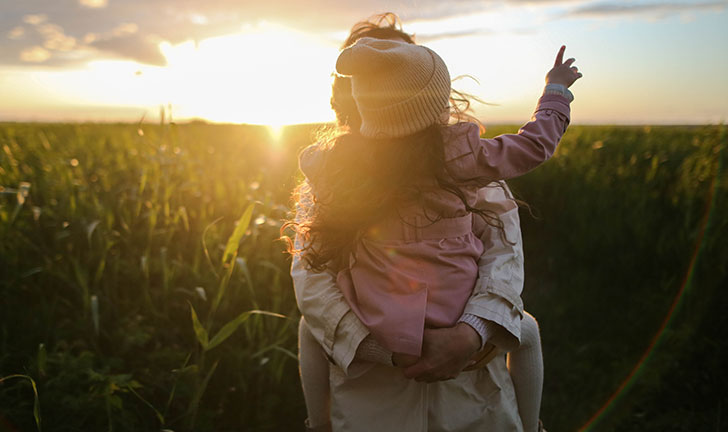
(110, 236)
(142, 288)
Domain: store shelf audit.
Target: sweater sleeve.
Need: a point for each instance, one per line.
(511, 155)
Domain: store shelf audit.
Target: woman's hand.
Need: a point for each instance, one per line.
(563, 72)
(445, 353)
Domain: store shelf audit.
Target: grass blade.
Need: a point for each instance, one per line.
(159, 415)
(36, 401)
(205, 248)
(200, 331)
(229, 328)
(231, 250)
(42, 359)
(195, 402)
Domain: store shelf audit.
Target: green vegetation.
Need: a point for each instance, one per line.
(142, 288)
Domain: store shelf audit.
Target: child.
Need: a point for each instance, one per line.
(393, 201)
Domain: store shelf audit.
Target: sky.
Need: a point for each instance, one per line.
(271, 61)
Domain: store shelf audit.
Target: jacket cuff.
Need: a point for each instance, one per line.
(555, 102)
(503, 313)
(349, 334)
(559, 89)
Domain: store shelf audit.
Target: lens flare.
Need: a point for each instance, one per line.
(685, 287)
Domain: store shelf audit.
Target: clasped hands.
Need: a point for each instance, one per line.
(445, 353)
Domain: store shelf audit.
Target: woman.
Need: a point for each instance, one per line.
(365, 395)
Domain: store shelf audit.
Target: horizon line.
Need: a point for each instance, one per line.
(186, 121)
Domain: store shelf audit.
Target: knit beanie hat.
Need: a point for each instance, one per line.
(399, 88)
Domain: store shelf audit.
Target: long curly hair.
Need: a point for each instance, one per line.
(362, 180)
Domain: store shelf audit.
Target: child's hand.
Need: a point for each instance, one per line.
(563, 72)
(404, 360)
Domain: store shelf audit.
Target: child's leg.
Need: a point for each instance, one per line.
(525, 365)
(314, 368)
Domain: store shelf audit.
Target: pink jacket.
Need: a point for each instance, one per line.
(410, 273)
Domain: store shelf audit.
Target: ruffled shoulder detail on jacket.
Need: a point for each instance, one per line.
(458, 139)
(311, 161)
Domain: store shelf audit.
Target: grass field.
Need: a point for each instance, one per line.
(132, 255)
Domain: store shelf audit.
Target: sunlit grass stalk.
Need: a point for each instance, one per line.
(229, 256)
(36, 400)
(201, 332)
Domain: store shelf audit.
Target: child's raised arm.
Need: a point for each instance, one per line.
(480, 161)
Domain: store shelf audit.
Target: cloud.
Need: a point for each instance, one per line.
(437, 10)
(55, 38)
(48, 43)
(424, 38)
(143, 49)
(93, 4)
(16, 33)
(659, 10)
(35, 19)
(546, 2)
(89, 37)
(125, 29)
(199, 19)
(132, 29)
(36, 54)
(125, 41)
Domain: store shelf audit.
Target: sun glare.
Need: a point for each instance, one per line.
(264, 75)
(276, 131)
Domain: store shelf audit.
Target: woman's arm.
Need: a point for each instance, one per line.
(331, 321)
(497, 294)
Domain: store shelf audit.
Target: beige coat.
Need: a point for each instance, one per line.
(382, 400)
(368, 397)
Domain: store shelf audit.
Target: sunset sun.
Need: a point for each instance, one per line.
(269, 75)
